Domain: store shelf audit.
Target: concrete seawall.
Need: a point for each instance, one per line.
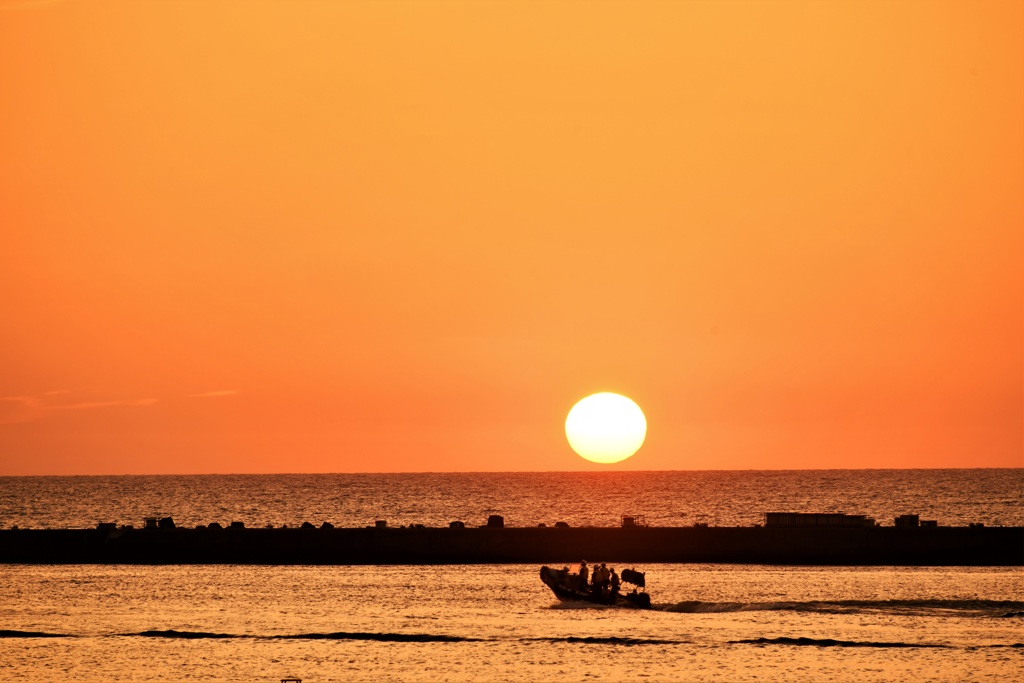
(993, 546)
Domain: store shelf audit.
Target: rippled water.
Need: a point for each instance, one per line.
(485, 623)
(711, 622)
(953, 497)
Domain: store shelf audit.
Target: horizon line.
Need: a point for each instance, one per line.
(396, 472)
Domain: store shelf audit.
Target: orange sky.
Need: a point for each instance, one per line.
(388, 236)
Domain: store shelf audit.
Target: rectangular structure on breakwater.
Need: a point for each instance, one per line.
(817, 545)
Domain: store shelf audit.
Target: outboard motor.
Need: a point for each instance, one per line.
(634, 577)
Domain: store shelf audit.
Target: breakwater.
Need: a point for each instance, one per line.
(878, 545)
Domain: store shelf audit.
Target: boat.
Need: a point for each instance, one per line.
(566, 586)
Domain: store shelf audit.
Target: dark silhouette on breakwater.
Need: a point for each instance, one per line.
(785, 538)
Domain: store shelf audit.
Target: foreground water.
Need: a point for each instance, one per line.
(465, 623)
(499, 623)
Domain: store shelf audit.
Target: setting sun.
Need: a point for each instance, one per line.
(296, 295)
(606, 427)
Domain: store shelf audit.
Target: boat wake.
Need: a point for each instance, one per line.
(829, 642)
(962, 608)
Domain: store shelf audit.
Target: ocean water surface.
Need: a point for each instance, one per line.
(498, 622)
(722, 498)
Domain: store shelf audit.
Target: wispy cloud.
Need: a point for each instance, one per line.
(17, 409)
(106, 404)
(221, 392)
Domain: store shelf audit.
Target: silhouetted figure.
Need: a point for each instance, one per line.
(601, 578)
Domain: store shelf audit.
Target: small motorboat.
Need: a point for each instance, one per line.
(567, 586)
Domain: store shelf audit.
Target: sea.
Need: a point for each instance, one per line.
(710, 622)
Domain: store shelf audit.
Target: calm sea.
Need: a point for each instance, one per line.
(711, 622)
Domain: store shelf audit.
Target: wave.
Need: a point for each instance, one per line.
(609, 640)
(188, 635)
(383, 637)
(979, 608)
(829, 642)
(340, 635)
(442, 638)
(347, 635)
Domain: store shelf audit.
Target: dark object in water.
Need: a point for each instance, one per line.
(566, 587)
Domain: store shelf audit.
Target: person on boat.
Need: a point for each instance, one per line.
(584, 573)
(615, 583)
(595, 581)
(601, 578)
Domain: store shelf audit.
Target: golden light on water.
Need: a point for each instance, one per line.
(606, 427)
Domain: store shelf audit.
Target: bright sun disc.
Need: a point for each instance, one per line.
(606, 427)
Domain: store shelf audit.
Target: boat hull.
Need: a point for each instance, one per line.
(562, 585)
